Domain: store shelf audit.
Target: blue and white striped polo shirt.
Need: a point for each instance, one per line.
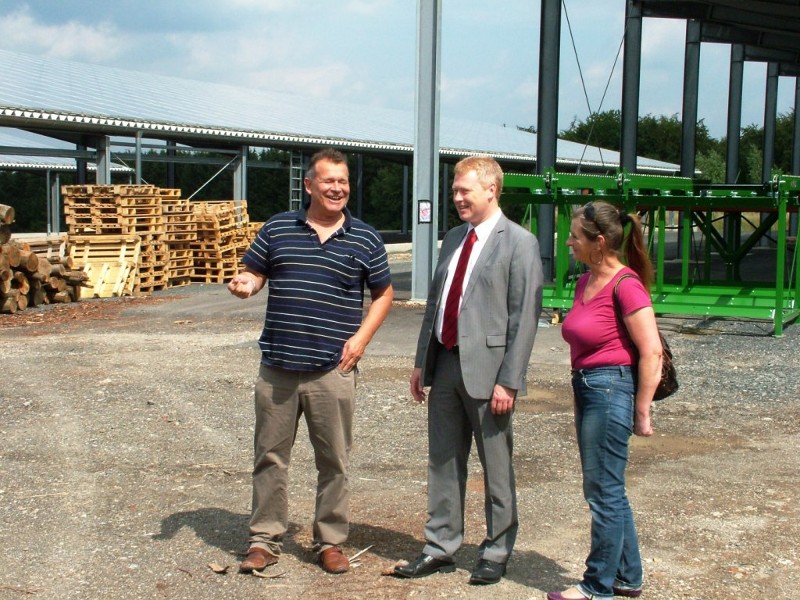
(316, 291)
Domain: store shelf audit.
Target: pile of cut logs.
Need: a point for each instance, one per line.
(31, 274)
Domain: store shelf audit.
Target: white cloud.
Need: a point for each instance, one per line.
(71, 40)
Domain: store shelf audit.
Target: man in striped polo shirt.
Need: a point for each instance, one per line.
(316, 261)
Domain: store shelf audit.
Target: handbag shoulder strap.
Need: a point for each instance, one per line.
(617, 309)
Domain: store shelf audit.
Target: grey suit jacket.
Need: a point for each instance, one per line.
(499, 310)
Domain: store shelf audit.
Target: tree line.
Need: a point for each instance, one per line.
(659, 137)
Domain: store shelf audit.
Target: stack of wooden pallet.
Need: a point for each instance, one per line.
(122, 212)
(180, 231)
(223, 235)
(164, 223)
(135, 239)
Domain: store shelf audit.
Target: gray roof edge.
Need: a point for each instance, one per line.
(15, 115)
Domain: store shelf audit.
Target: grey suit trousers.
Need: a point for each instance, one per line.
(454, 417)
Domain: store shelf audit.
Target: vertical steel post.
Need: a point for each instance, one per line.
(404, 226)
(55, 210)
(359, 185)
(138, 158)
(795, 149)
(734, 132)
(691, 82)
(81, 175)
(103, 160)
(445, 169)
(732, 231)
(691, 78)
(631, 75)
(424, 236)
(240, 176)
(171, 152)
(770, 119)
(547, 122)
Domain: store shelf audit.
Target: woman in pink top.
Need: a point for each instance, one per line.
(616, 365)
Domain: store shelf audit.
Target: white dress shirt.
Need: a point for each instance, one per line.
(482, 232)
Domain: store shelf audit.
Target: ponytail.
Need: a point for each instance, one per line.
(634, 249)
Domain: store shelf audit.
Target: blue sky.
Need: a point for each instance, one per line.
(363, 51)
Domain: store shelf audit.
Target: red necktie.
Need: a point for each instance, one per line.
(450, 320)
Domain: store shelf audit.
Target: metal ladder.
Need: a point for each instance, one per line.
(295, 180)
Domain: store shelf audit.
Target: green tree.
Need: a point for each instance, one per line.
(712, 166)
(658, 137)
(599, 129)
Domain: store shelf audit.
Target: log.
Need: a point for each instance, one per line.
(4, 262)
(56, 284)
(62, 297)
(10, 302)
(6, 214)
(43, 266)
(5, 285)
(29, 261)
(22, 301)
(36, 295)
(5, 233)
(67, 261)
(8, 305)
(57, 270)
(21, 283)
(11, 253)
(77, 278)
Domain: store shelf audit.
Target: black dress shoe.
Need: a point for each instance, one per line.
(425, 565)
(487, 571)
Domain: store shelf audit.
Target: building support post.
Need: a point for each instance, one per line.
(547, 123)
(631, 75)
(424, 236)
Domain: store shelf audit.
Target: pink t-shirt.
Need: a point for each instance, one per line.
(595, 336)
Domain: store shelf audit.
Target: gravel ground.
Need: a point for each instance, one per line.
(126, 452)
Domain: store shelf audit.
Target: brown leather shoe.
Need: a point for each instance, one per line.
(257, 559)
(333, 561)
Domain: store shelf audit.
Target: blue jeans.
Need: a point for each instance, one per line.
(604, 399)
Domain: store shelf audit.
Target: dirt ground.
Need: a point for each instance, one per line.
(126, 452)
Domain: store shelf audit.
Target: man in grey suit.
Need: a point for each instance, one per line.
(475, 361)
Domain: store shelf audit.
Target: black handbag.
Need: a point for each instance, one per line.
(668, 384)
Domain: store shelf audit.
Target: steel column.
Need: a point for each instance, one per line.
(359, 186)
(734, 132)
(770, 118)
(424, 236)
(631, 74)
(404, 227)
(240, 176)
(547, 121)
(732, 227)
(795, 148)
(691, 78)
(138, 150)
(103, 160)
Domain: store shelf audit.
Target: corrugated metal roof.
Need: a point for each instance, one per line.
(11, 138)
(46, 92)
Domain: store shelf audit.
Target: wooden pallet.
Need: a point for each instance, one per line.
(110, 261)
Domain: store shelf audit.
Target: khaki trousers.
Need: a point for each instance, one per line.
(327, 399)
